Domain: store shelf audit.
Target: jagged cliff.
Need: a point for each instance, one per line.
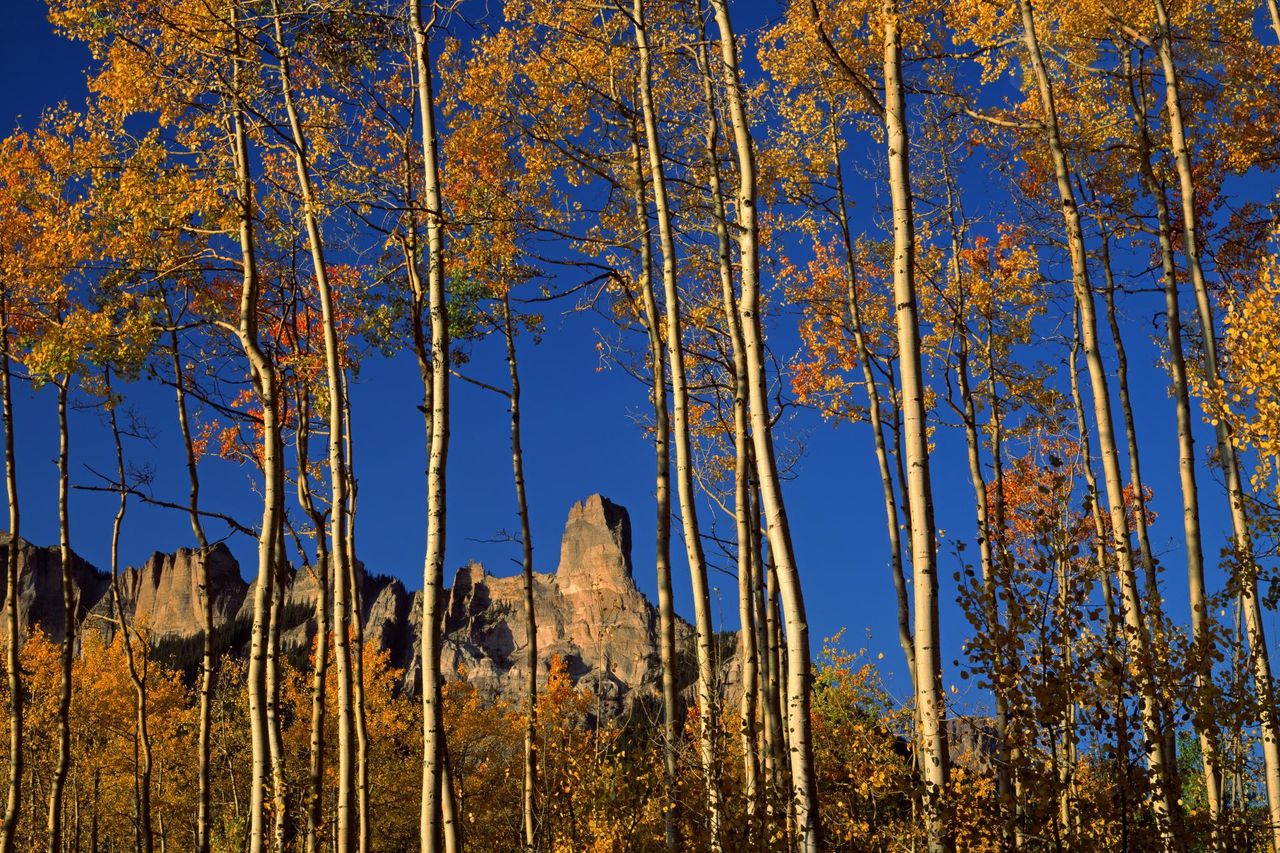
(589, 611)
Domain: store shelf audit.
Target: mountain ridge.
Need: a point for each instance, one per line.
(589, 611)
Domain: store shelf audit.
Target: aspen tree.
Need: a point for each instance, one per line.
(680, 431)
(987, 557)
(339, 552)
(437, 826)
(137, 674)
(1201, 622)
(529, 784)
(748, 581)
(280, 826)
(804, 788)
(356, 599)
(57, 785)
(263, 374)
(930, 703)
(13, 802)
(314, 798)
(204, 781)
(1245, 570)
(1138, 632)
(662, 495)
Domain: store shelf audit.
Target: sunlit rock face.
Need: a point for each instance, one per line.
(164, 596)
(589, 612)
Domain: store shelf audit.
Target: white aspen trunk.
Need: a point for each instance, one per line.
(437, 827)
(804, 787)
(747, 582)
(57, 784)
(1247, 575)
(337, 468)
(13, 801)
(262, 374)
(1166, 804)
(930, 701)
(356, 597)
(204, 779)
(680, 435)
(137, 675)
(1115, 627)
(872, 390)
(986, 556)
(315, 766)
(1201, 619)
(275, 733)
(1155, 611)
(662, 500)
(529, 787)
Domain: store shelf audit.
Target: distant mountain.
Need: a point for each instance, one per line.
(589, 611)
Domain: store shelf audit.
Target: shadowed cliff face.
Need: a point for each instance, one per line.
(589, 611)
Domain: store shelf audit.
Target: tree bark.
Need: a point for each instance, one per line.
(263, 376)
(204, 780)
(339, 553)
(680, 435)
(137, 675)
(315, 765)
(747, 579)
(799, 677)
(1201, 619)
(930, 701)
(57, 783)
(356, 597)
(1246, 570)
(13, 801)
(529, 787)
(1166, 805)
(275, 725)
(662, 496)
(436, 827)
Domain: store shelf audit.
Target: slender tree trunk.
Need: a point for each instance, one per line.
(315, 766)
(1201, 619)
(770, 642)
(872, 390)
(680, 435)
(529, 789)
(1246, 568)
(204, 780)
(262, 374)
(1115, 630)
(13, 802)
(804, 786)
(662, 494)
(436, 827)
(1155, 613)
(335, 386)
(986, 549)
(1001, 563)
(1166, 803)
(70, 604)
(930, 703)
(356, 597)
(137, 674)
(747, 582)
(275, 725)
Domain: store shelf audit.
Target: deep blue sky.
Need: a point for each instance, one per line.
(580, 438)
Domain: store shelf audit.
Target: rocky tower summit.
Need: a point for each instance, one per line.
(589, 612)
